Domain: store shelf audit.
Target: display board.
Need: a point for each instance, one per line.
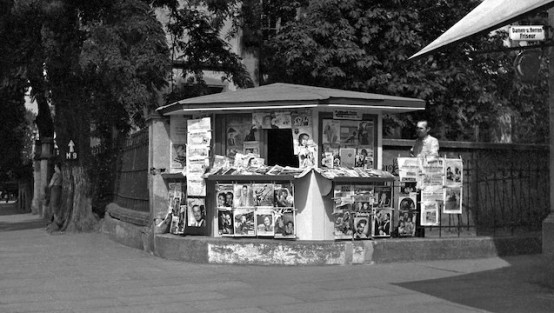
(362, 211)
(256, 209)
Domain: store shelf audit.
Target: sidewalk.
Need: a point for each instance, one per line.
(90, 273)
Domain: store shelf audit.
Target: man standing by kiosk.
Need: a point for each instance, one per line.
(425, 144)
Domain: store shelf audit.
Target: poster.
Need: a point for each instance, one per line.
(265, 222)
(301, 119)
(199, 125)
(244, 222)
(429, 213)
(366, 133)
(344, 224)
(382, 223)
(251, 147)
(307, 156)
(406, 225)
(197, 152)
(178, 155)
(432, 173)
(200, 138)
(225, 222)
(331, 131)
(224, 194)
(452, 200)
(362, 226)
(302, 137)
(383, 196)
(432, 193)
(285, 224)
(196, 212)
(178, 129)
(263, 194)
(347, 157)
(283, 120)
(284, 196)
(196, 186)
(272, 120)
(408, 169)
(454, 172)
(349, 133)
(243, 195)
(238, 129)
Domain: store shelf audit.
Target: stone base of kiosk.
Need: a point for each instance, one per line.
(209, 250)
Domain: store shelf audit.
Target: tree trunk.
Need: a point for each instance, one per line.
(76, 208)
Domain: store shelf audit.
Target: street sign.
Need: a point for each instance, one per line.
(527, 33)
(71, 155)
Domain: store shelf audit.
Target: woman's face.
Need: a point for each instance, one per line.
(221, 199)
(267, 221)
(303, 140)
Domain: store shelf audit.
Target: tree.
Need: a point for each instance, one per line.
(365, 46)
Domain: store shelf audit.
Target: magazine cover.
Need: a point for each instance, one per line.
(347, 157)
(454, 172)
(263, 194)
(331, 131)
(283, 120)
(178, 155)
(251, 147)
(284, 196)
(174, 228)
(343, 194)
(364, 157)
(285, 224)
(408, 169)
(362, 226)
(452, 200)
(224, 194)
(344, 224)
(366, 133)
(406, 223)
(265, 222)
(429, 213)
(332, 154)
(264, 120)
(362, 203)
(382, 223)
(196, 212)
(302, 137)
(199, 138)
(244, 222)
(243, 195)
(199, 125)
(383, 197)
(196, 185)
(225, 222)
(407, 203)
(301, 118)
(307, 155)
(433, 173)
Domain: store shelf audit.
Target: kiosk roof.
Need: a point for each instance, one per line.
(290, 96)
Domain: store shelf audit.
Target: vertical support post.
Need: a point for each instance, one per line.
(548, 223)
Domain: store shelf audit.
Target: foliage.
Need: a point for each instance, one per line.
(195, 28)
(365, 46)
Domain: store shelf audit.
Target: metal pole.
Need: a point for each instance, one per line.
(548, 223)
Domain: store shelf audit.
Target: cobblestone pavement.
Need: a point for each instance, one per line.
(90, 273)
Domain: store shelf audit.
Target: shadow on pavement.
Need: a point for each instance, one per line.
(23, 225)
(519, 287)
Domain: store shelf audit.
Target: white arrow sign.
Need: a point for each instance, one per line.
(71, 146)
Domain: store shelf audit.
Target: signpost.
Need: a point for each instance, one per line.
(71, 155)
(527, 33)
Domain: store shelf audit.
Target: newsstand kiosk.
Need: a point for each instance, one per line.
(279, 161)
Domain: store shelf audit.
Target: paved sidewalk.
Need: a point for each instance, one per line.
(90, 273)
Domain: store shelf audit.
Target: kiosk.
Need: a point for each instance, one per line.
(323, 146)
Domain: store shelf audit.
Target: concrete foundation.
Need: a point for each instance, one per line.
(209, 250)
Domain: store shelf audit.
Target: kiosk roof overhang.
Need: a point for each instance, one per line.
(486, 17)
(288, 96)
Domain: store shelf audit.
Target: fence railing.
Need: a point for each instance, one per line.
(131, 187)
(506, 187)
